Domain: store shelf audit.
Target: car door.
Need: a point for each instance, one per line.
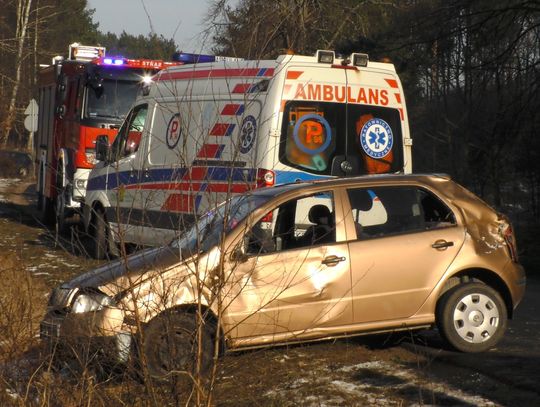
(295, 278)
(405, 239)
(124, 177)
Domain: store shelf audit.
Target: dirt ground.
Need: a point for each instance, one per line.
(410, 369)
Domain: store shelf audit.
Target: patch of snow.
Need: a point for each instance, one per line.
(13, 394)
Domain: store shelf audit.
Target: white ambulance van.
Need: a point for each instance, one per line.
(204, 131)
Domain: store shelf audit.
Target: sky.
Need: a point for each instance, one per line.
(182, 20)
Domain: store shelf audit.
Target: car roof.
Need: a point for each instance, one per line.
(429, 179)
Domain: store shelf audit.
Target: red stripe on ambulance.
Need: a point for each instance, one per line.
(294, 74)
(232, 109)
(242, 88)
(222, 129)
(392, 82)
(215, 73)
(179, 203)
(211, 151)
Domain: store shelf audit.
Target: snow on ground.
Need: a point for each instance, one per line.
(369, 383)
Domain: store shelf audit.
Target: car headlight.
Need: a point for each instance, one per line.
(87, 302)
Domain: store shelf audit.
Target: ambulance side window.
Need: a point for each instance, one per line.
(129, 136)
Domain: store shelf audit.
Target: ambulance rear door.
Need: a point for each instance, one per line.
(338, 121)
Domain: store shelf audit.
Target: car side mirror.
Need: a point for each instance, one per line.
(239, 255)
(103, 149)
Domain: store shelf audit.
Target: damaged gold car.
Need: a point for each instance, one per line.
(301, 262)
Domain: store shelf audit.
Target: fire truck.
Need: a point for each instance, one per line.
(81, 97)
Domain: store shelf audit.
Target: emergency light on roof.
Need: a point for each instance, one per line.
(188, 58)
(359, 59)
(85, 52)
(113, 61)
(325, 57)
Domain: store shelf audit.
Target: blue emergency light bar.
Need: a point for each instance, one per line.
(113, 61)
(188, 58)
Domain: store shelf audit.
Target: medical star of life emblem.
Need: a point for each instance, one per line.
(376, 138)
(247, 134)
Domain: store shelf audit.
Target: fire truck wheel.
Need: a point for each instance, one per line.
(45, 210)
(98, 235)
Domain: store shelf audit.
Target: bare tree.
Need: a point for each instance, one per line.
(23, 16)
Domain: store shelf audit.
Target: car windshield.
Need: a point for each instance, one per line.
(207, 231)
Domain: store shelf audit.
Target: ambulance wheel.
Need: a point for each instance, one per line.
(98, 235)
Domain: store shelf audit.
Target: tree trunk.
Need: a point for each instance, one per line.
(23, 14)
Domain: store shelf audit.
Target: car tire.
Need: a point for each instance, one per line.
(471, 317)
(170, 347)
(99, 235)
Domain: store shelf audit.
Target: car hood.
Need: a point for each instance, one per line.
(116, 276)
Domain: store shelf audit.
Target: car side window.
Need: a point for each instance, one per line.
(386, 211)
(129, 136)
(304, 222)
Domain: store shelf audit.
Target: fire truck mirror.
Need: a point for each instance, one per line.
(102, 148)
(61, 111)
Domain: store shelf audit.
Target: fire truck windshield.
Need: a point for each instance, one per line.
(112, 100)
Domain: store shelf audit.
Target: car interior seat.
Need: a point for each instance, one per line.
(323, 230)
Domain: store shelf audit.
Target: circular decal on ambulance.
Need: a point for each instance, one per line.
(173, 131)
(247, 134)
(312, 134)
(376, 138)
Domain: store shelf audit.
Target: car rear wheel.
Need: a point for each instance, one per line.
(170, 347)
(471, 317)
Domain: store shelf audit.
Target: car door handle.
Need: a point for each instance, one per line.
(332, 260)
(442, 244)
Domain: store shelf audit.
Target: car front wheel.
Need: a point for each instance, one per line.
(471, 317)
(171, 347)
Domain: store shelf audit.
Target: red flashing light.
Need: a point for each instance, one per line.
(350, 67)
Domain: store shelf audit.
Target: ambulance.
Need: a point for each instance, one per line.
(218, 126)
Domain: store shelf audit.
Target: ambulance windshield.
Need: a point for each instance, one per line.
(317, 137)
(112, 100)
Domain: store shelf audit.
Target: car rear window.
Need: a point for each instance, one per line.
(384, 211)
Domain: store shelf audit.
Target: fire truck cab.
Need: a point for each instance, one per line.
(80, 97)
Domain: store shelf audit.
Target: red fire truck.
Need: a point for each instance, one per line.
(81, 97)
